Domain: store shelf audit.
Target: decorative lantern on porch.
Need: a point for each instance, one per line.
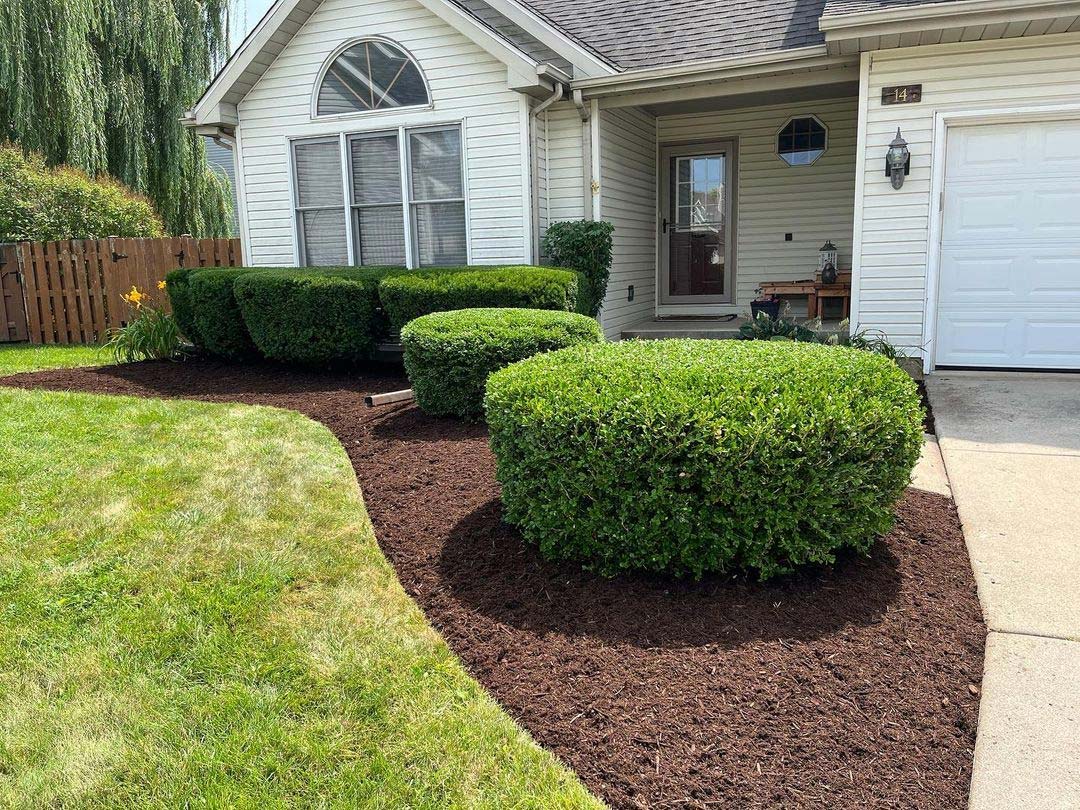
(828, 261)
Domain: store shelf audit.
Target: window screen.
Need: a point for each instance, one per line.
(801, 141)
(371, 75)
(437, 197)
(372, 216)
(320, 204)
(378, 220)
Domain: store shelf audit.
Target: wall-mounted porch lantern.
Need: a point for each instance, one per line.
(898, 161)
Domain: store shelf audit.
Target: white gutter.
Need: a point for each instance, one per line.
(945, 12)
(710, 70)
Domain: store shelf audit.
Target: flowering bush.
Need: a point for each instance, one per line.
(151, 333)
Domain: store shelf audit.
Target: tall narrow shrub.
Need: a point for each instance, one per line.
(586, 247)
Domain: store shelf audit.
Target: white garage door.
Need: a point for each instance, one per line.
(1009, 289)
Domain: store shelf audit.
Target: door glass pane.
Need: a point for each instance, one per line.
(376, 169)
(440, 234)
(698, 242)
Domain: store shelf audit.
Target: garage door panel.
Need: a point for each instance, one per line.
(976, 213)
(1053, 343)
(1044, 148)
(979, 276)
(1009, 272)
(1055, 278)
(1041, 210)
(979, 154)
(1055, 213)
(976, 339)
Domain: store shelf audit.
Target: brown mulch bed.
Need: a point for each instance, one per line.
(852, 686)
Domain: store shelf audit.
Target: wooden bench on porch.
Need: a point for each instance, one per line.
(815, 291)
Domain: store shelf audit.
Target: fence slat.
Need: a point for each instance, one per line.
(96, 293)
(71, 292)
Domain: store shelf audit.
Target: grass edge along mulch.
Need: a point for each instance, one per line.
(195, 608)
(855, 685)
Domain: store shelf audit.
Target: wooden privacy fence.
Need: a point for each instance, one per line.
(71, 290)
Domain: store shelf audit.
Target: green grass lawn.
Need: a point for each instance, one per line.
(194, 612)
(16, 357)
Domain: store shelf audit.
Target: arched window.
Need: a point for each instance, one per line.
(371, 75)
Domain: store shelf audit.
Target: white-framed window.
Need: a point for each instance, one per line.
(387, 197)
(370, 75)
(802, 140)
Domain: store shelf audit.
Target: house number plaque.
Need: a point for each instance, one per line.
(904, 94)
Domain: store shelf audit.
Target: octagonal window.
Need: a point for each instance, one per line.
(802, 141)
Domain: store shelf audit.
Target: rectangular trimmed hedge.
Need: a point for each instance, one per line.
(333, 315)
(408, 296)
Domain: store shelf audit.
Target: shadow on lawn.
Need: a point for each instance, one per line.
(491, 569)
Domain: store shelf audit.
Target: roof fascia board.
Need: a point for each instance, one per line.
(942, 15)
(735, 86)
(582, 58)
(252, 45)
(471, 28)
(712, 70)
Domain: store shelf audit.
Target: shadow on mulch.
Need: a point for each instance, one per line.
(854, 685)
(486, 564)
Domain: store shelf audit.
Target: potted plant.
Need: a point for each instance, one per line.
(769, 304)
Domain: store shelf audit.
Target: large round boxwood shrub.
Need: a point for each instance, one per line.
(450, 355)
(689, 457)
(314, 316)
(410, 295)
(216, 314)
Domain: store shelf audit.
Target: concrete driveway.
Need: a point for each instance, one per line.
(1011, 447)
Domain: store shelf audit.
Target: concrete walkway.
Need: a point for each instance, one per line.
(1011, 448)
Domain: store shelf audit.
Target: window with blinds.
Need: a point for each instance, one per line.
(404, 204)
(320, 204)
(437, 197)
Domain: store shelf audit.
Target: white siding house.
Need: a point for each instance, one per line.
(722, 166)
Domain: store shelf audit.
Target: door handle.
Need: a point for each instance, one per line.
(665, 225)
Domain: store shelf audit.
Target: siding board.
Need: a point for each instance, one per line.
(466, 84)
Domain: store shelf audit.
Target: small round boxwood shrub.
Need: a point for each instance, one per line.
(177, 286)
(687, 457)
(216, 314)
(449, 355)
(314, 316)
(411, 295)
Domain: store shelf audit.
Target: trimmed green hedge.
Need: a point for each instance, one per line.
(216, 313)
(314, 316)
(333, 315)
(689, 457)
(585, 246)
(449, 355)
(416, 293)
(178, 287)
(40, 203)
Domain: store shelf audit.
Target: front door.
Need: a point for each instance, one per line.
(696, 239)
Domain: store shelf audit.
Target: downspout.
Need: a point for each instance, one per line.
(586, 155)
(534, 163)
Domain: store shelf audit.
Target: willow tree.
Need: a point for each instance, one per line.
(102, 84)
